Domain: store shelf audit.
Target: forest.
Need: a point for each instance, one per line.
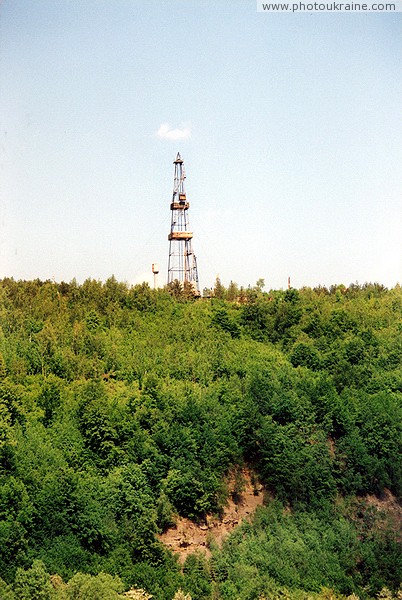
(123, 408)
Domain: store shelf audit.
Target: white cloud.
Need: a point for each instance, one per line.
(167, 133)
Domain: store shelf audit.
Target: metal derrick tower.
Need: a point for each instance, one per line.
(182, 261)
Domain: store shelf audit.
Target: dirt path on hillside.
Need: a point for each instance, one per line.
(188, 537)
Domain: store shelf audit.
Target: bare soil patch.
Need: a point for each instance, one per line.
(390, 508)
(187, 537)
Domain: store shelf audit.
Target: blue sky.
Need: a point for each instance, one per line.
(289, 126)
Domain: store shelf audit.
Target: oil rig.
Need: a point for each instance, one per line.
(182, 266)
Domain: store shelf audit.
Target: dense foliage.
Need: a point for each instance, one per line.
(123, 406)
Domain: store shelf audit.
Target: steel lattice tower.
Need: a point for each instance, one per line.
(182, 261)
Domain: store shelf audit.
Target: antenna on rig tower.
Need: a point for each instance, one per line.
(182, 264)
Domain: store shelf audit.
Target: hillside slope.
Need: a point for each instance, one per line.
(123, 409)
